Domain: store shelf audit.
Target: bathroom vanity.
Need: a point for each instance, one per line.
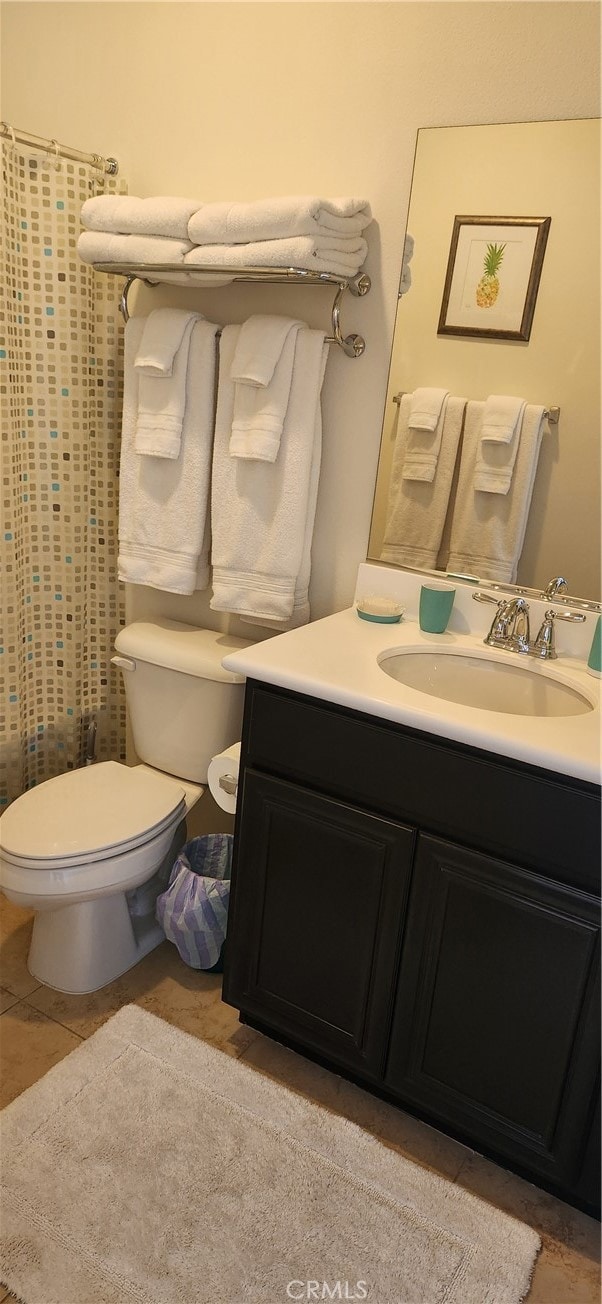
(418, 911)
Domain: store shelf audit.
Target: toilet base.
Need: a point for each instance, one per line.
(82, 947)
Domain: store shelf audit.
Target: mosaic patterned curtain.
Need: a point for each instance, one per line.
(60, 355)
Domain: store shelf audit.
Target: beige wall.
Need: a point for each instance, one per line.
(541, 169)
(221, 100)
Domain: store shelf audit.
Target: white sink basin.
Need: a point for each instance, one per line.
(485, 682)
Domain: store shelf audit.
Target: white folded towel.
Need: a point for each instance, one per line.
(502, 417)
(259, 348)
(278, 218)
(163, 505)
(163, 333)
(426, 420)
(105, 247)
(162, 395)
(416, 509)
(128, 215)
(488, 529)
(496, 457)
(262, 371)
(319, 253)
(263, 513)
(406, 271)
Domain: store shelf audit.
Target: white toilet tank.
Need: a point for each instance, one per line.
(183, 706)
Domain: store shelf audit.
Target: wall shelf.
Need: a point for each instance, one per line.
(192, 277)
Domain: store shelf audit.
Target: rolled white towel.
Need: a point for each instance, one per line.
(312, 253)
(104, 247)
(128, 215)
(278, 218)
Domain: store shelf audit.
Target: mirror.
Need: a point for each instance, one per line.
(535, 170)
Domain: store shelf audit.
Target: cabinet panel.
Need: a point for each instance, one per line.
(318, 911)
(396, 771)
(496, 1019)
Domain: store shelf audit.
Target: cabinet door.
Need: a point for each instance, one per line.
(496, 1025)
(319, 896)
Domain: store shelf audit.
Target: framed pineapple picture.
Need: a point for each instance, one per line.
(492, 278)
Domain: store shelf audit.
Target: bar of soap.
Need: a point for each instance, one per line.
(386, 611)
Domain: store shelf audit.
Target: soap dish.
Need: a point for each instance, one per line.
(383, 611)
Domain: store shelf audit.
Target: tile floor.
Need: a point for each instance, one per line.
(39, 1026)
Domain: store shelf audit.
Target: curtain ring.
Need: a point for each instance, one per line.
(11, 131)
(54, 145)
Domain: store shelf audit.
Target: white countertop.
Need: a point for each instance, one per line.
(335, 660)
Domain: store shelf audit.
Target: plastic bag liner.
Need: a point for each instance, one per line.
(193, 910)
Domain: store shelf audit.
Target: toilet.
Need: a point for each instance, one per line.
(90, 850)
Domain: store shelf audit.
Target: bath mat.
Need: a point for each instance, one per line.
(152, 1168)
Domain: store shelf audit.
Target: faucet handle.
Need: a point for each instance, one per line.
(486, 597)
(575, 617)
(544, 645)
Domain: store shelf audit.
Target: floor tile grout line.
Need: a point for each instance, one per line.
(83, 1036)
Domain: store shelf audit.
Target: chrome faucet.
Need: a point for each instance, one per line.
(510, 626)
(555, 586)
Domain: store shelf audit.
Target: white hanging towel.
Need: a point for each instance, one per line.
(162, 365)
(502, 417)
(416, 509)
(427, 416)
(488, 529)
(163, 504)
(314, 253)
(496, 455)
(262, 371)
(263, 513)
(278, 218)
(106, 247)
(128, 215)
(406, 271)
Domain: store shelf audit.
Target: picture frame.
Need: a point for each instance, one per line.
(493, 274)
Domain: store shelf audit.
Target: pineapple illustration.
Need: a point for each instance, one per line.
(489, 286)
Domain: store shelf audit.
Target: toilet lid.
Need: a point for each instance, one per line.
(98, 811)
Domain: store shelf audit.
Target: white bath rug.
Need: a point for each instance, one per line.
(152, 1168)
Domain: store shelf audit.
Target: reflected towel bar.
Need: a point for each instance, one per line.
(552, 414)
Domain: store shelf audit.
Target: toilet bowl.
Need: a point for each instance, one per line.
(90, 850)
(75, 850)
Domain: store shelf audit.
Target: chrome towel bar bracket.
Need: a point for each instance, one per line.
(352, 345)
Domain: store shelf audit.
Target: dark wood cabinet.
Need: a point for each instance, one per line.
(425, 918)
(323, 897)
(496, 1022)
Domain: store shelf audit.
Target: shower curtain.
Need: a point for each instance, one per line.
(60, 354)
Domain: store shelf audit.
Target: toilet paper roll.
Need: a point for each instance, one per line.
(222, 774)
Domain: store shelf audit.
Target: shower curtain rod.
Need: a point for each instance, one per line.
(54, 150)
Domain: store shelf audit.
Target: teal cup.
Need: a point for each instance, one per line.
(594, 661)
(435, 609)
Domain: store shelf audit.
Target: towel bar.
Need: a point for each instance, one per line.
(552, 414)
(352, 345)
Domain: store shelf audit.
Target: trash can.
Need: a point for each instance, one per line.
(193, 910)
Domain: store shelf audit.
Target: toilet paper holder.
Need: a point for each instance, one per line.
(229, 783)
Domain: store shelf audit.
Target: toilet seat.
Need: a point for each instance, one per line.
(101, 812)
